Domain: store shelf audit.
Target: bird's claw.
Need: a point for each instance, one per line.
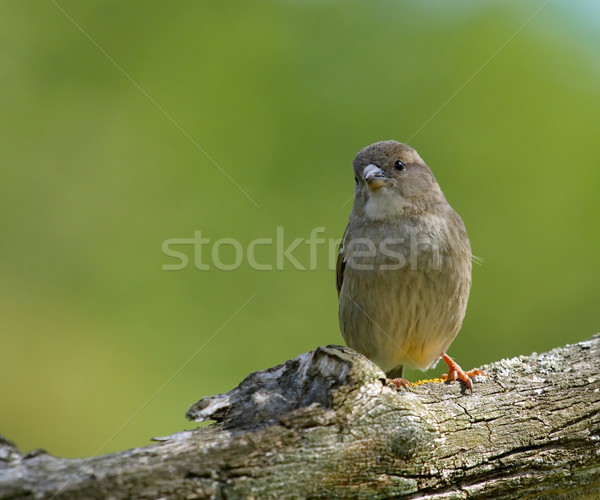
(455, 372)
(400, 383)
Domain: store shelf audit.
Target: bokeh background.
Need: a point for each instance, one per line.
(111, 110)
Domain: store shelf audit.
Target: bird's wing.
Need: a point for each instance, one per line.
(340, 265)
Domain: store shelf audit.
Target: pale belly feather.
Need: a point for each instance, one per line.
(406, 316)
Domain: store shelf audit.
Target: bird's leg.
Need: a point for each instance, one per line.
(456, 372)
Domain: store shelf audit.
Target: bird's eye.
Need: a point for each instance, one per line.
(399, 165)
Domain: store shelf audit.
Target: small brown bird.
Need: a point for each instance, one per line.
(404, 266)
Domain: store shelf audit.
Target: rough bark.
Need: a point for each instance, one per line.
(326, 425)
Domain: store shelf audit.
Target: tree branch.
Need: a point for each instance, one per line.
(326, 425)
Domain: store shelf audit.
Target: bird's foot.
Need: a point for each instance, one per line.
(455, 372)
(400, 383)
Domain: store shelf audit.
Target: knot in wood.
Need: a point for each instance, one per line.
(409, 441)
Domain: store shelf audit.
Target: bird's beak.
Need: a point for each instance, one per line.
(375, 177)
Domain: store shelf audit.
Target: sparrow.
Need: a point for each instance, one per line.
(404, 265)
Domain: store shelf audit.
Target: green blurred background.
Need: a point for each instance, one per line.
(102, 349)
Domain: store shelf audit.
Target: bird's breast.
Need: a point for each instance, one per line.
(405, 289)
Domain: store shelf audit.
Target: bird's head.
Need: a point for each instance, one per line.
(392, 180)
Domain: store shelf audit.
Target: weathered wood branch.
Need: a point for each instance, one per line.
(326, 425)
